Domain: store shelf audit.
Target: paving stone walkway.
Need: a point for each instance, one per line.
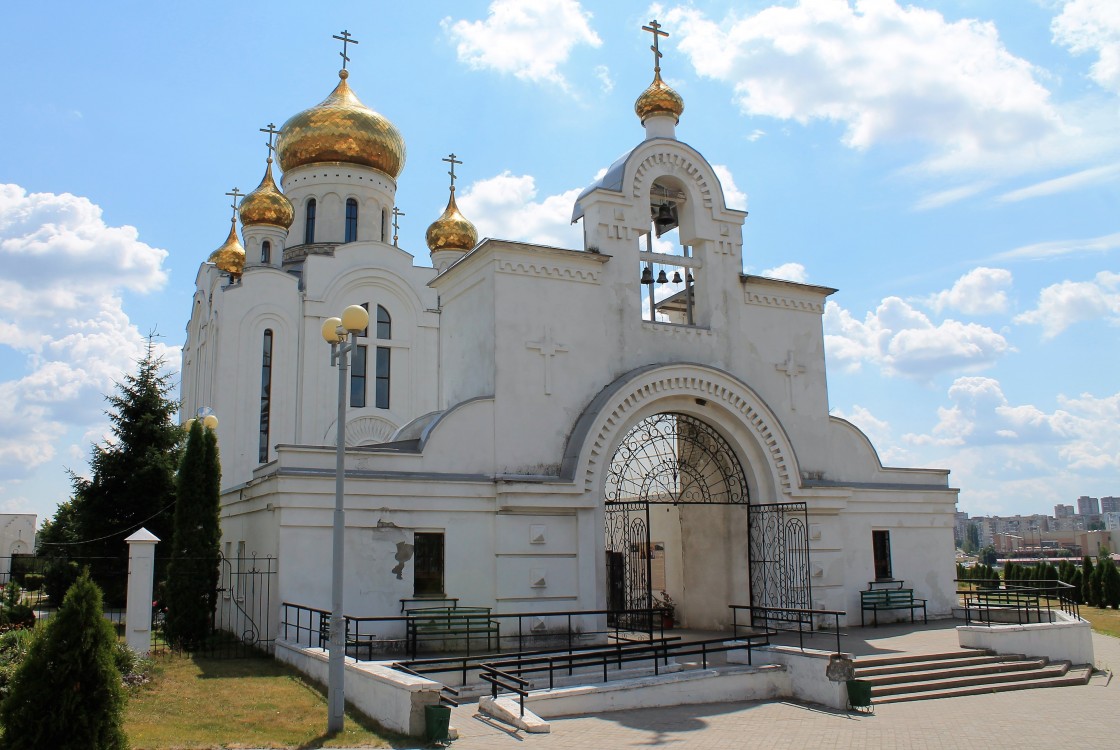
(1087, 716)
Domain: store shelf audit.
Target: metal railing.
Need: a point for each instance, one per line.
(310, 626)
(786, 620)
(992, 603)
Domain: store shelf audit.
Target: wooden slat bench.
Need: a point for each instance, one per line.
(457, 623)
(877, 599)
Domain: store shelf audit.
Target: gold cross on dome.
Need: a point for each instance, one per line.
(345, 39)
(396, 226)
(235, 194)
(655, 29)
(272, 133)
(452, 161)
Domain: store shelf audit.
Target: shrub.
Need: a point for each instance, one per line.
(59, 577)
(33, 581)
(67, 694)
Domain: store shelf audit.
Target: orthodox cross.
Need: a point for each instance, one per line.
(791, 370)
(655, 29)
(345, 39)
(548, 349)
(453, 161)
(396, 226)
(272, 133)
(235, 194)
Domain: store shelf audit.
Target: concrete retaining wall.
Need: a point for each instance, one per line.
(393, 699)
(1065, 639)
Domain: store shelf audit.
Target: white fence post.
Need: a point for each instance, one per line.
(141, 578)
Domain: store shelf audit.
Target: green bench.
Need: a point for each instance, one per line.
(875, 600)
(451, 623)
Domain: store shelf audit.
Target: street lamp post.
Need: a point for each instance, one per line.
(336, 331)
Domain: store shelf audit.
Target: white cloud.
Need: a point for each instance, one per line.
(528, 39)
(952, 195)
(1057, 248)
(603, 73)
(901, 340)
(735, 197)
(1063, 304)
(61, 307)
(1075, 181)
(978, 292)
(788, 271)
(1093, 26)
(504, 207)
(886, 73)
(879, 432)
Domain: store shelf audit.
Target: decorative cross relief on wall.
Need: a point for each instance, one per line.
(791, 370)
(548, 349)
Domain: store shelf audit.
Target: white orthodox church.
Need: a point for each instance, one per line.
(536, 428)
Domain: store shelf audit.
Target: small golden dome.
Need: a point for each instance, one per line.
(230, 257)
(659, 99)
(341, 129)
(452, 230)
(266, 204)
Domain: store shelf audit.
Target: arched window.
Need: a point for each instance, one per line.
(351, 233)
(266, 252)
(266, 395)
(382, 365)
(309, 224)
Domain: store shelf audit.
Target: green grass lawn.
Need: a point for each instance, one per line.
(238, 703)
(1105, 621)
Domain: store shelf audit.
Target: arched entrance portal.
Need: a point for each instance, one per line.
(679, 523)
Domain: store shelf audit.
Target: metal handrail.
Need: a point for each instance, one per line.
(1024, 599)
(797, 615)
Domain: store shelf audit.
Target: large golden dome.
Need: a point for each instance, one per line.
(341, 129)
(659, 99)
(266, 204)
(230, 257)
(452, 230)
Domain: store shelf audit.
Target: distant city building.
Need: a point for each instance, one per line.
(1088, 506)
(1111, 520)
(1063, 511)
(1110, 504)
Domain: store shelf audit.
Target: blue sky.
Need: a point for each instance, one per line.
(953, 168)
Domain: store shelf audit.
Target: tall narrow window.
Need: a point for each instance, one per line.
(382, 367)
(382, 374)
(309, 224)
(266, 395)
(384, 324)
(881, 545)
(358, 377)
(427, 574)
(351, 220)
(266, 252)
(384, 225)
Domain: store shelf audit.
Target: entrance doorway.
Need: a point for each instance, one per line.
(679, 525)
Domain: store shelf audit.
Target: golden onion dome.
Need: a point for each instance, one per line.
(230, 257)
(452, 230)
(341, 129)
(659, 99)
(266, 204)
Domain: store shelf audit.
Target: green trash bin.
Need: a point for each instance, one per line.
(859, 694)
(437, 721)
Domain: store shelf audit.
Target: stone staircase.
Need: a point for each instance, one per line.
(966, 672)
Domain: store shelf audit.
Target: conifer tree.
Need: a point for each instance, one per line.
(67, 694)
(1110, 584)
(192, 580)
(1087, 581)
(131, 481)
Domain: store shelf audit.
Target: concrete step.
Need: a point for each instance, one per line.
(1075, 676)
(925, 666)
(991, 666)
(1053, 670)
(883, 661)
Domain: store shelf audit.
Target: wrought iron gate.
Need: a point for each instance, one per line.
(244, 606)
(628, 562)
(779, 555)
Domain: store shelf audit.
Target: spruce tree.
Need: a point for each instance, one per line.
(1087, 581)
(192, 579)
(67, 694)
(1110, 584)
(131, 481)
